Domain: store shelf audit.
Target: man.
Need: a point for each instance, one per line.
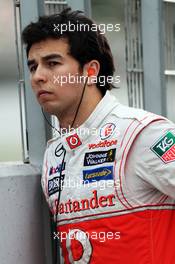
(111, 188)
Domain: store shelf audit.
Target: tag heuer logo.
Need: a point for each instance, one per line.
(164, 148)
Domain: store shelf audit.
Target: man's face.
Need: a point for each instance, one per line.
(48, 60)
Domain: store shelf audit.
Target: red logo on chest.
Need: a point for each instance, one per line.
(73, 141)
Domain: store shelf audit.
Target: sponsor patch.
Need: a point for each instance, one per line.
(73, 141)
(94, 201)
(53, 185)
(56, 169)
(102, 144)
(99, 157)
(107, 130)
(164, 148)
(59, 150)
(98, 174)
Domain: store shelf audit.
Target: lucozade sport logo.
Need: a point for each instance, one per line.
(98, 174)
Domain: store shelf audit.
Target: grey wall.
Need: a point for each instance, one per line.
(23, 228)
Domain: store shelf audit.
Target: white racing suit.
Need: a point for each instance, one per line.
(118, 198)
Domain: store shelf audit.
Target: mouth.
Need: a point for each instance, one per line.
(43, 93)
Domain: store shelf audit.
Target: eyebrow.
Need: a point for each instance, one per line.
(45, 58)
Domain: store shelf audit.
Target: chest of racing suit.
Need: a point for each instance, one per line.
(99, 219)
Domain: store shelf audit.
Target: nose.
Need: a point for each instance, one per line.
(40, 75)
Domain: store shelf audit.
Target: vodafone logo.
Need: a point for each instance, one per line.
(78, 246)
(102, 144)
(73, 141)
(107, 130)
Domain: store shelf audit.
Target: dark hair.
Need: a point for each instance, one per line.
(84, 45)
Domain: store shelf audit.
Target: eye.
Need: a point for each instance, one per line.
(53, 63)
(32, 68)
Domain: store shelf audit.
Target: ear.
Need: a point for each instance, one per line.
(91, 69)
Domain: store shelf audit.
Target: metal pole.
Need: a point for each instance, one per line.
(153, 56)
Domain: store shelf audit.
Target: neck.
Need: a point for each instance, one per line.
(91, 98)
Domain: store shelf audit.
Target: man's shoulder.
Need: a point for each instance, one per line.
(149, 126)
(152, 126)
(157, 131)
(152, 156)
(126, 112)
